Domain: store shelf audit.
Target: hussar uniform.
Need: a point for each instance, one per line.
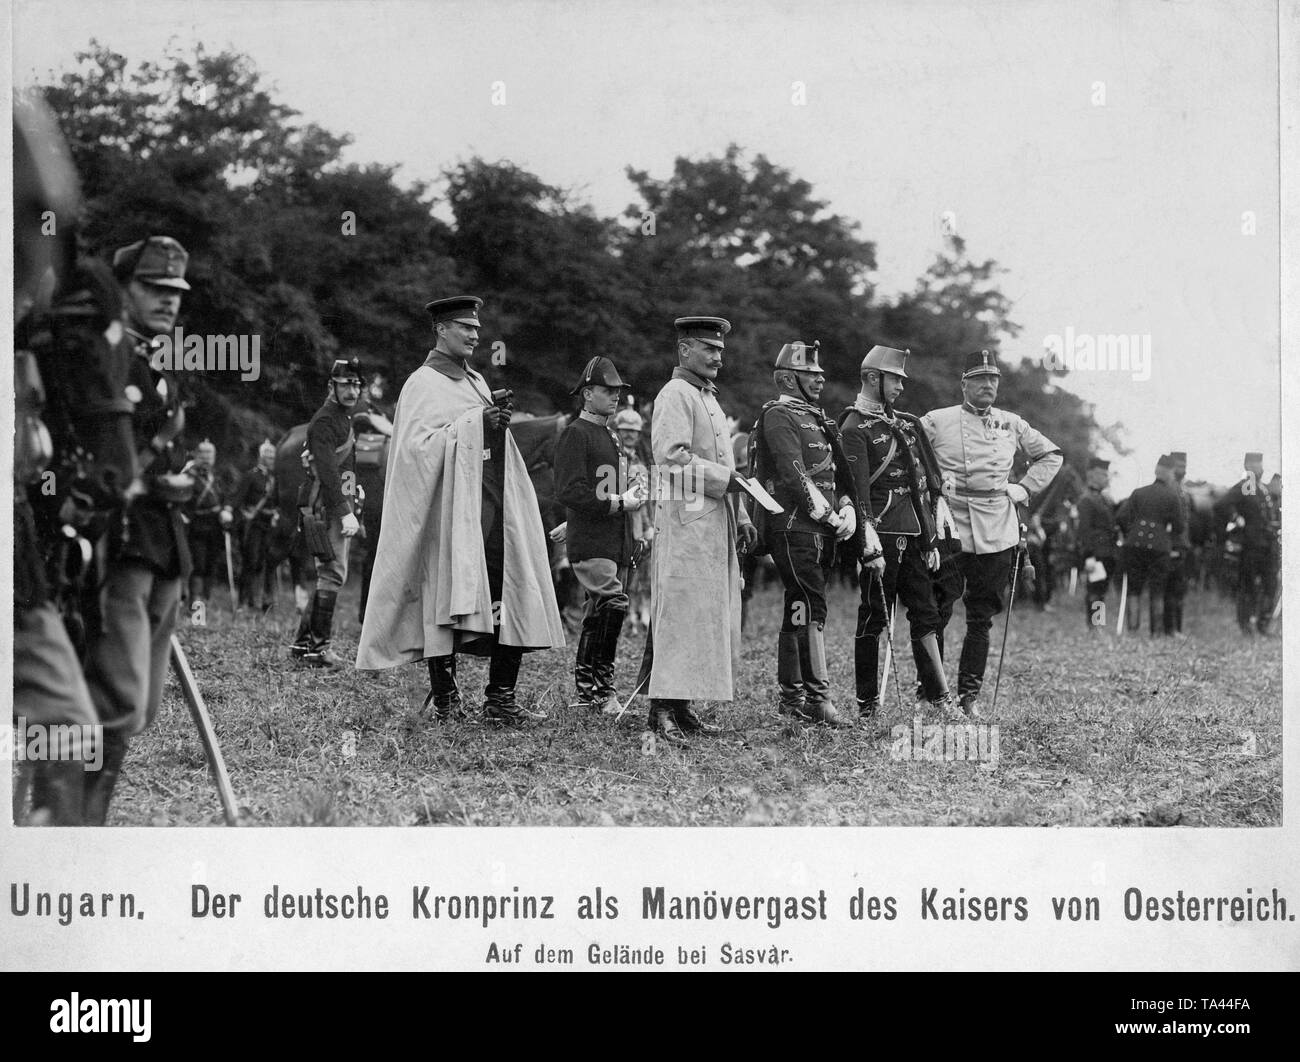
(977, 449)
(798, 459)
(898, 480)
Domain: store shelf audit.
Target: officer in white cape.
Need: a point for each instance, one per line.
(461, 564)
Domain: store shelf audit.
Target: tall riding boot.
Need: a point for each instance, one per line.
(609, 625)
(302, 642)
(789, 676)
(99, 784)
(322, 625)
(503, 673)
(444, 694)
(58, 793)
(929, 668)
(584, 664)
(818, 706)
(866, 673)
(663, 720)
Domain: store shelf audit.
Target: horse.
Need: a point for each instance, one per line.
(535, 436)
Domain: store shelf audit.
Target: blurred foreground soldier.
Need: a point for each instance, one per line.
(898, 486)
(629, 425)
(1098, 534)
(149, 560)
(1180, 555)
(1250, 504)
(692, 650)
(1152, 521)
(975, 444)
(799, 461)
(462, 563)
(72, 433)
(209, 520)
(254, 501)
(329, 518)
(593, 483)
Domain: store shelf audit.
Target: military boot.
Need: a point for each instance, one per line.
(929, 668)
(818, 706)
(500, 705)
(58, 793)
(302, 642)
(99, 784)
(609, 626)
(322, 625)
(584, 664)
(663, 721)
(789, 678)
(690, 721)
(444, 693)
(866, 675)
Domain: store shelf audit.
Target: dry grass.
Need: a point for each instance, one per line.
(1092, 732)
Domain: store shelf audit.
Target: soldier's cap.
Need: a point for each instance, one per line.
(267, 449)
(1165, 461)
(628, 419)
(800, 357)
(155, 260)
(207, 447)
(460, 308)
(1098, 462)
(1253, 458)
(1179, 455)
(980, 362)
(886, 359)
(599, 370)
(346, 369)
(708, 330)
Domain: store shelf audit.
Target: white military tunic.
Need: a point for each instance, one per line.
(978, 449)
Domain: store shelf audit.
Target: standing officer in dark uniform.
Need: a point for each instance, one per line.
(208, 519)
(1180, 556)
(592, 483)
(898, 483)
(1152, 521)
(799, 460)
(1250, 502)
(254, 501)
(1097, 537)
(332, 502)
(148, 559)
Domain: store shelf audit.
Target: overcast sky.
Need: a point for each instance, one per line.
(1114, 157)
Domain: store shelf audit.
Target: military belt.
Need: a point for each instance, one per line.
(968, 492)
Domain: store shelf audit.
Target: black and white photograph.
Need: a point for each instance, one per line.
(599, 430)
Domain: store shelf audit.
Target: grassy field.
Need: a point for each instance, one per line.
(1091, 731)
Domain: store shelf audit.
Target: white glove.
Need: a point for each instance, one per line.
(1017, 494)
(351, 525)
(948, 484)
(632, 499)
(848, 524)
(558, 534)
(872, 544)
(932, 559)
(943, 519)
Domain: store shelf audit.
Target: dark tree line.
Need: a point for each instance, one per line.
(323, 259)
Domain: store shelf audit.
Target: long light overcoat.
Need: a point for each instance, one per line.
(694, 572)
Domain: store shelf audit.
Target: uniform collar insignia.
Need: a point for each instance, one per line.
(594, 418)
(971, 409)
(695, 381)
(869, 408)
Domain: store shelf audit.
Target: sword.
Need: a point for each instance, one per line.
(1123, 604)
(889, 646)
(208, 736)
(1021, 552)
(230, 574)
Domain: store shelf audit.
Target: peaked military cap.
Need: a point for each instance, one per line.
(708, 330)
(1098, 462)
(1165, 461)
(599, 370)
(1254, 458)
(157, 260)
(460, 308)
(886, 359)
(981, 362)
(206, 446)
(1179, 455)
(800, 357)
(628, 419)
(346, 369)
(267, 449)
